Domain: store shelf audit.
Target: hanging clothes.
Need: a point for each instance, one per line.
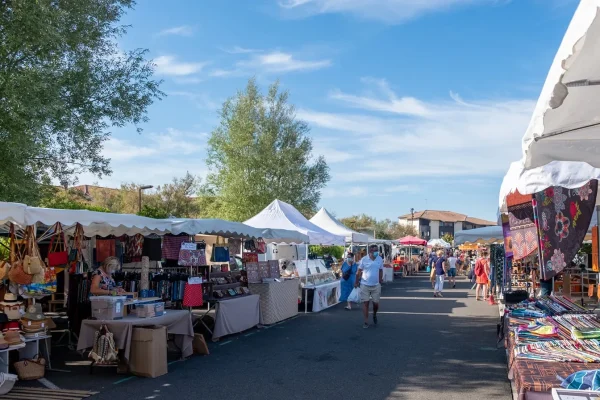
(172, 245)
(133, 248)
(105, 248)
(152, 248)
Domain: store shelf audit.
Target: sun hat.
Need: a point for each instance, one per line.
(10, 298)
(34, 313)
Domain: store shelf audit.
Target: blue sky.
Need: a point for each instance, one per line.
(413, 103)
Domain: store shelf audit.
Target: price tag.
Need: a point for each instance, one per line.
(188, 246)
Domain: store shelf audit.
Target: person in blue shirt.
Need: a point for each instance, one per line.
(349, 269)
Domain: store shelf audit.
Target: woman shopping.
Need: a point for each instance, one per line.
(440, 274)
(103, 282)
(349, 268)
(482, 273)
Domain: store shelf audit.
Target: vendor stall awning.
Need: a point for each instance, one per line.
(325, 220)
(97, 223)
(489, 234)
(215, 227)
(438, 243)
(412, 241)
(12, 213)
(280, 215)
(565, 125)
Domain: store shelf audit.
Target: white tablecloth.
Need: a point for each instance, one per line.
(278, 300)
(388, 274)
(325, 295)
(236, 315)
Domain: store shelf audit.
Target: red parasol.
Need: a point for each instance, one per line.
(412, 241)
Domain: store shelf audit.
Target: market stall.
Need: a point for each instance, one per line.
(328, 222)
(316, 286)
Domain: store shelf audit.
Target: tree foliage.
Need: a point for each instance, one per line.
(448, 238)
(383, 229)
(335, 251)
(70, 199)
(64, 83)
(261, 152)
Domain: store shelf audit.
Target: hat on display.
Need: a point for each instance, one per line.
(10, 297)
(34, 313)
(11, 326)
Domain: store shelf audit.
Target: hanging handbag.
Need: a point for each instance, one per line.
(192, 295)
(32, 263)
(104, 350)
(220, 252)
(4, 268)
(57, 253)
(16, 273)
(191, 258)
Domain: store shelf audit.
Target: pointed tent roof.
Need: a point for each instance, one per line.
(280, 215)
(325, 220)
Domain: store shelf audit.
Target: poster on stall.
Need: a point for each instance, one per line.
(325, 296)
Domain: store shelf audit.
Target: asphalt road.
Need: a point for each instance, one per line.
(423, 348)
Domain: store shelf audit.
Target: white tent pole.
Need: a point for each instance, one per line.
(306, 284)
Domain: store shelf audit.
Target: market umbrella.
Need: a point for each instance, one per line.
(412, 241)
(565, 123)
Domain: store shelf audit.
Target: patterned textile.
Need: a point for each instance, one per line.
(522, 230)
(562, 218)
(133, 248)
(172, 245)
(278, 300)
(497, 263)
(105, 248)
(541, 376)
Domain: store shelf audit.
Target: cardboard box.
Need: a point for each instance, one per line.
(148, 355)
(107, 307)
(199, 345)
(150, 310)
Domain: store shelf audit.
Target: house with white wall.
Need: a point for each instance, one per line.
(433, 224)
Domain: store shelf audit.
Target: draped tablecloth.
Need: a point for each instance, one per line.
(278, 300)
(178, 323)
(236, 315)
(325, 295)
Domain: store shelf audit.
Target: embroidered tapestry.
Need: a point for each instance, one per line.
(522, 230)
(562, 219)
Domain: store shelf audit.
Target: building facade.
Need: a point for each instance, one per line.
(433, 224)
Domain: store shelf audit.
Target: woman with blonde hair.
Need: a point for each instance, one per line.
(103, 282)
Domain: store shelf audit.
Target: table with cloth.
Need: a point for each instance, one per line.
(324, 296)
(278, 300)
(178, 323)
(236, 314)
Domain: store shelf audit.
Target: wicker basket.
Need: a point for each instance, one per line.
(29, 370)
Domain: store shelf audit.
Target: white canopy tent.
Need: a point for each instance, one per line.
(280, 215)
(438, 243)
(565, 125)
(328, 222)
(567, 174)
(97, 223)
(12, 213)
(488, 234)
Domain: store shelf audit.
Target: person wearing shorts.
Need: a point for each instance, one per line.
(452, 261)
(369, 278)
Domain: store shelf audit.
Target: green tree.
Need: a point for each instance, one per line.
(448, 238)
(261, 152)
(335, 251)
(383, 229)
(69, 199)
(64, 83)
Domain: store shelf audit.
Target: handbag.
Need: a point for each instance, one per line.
(16, 273)
(220, 253)
(4, 268)
(32, 263)
(191, 258)
(31, 369)
(261, 246)
(57, 253)
(192, 295)
(104, 350)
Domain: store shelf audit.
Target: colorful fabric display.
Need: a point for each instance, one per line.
(585, 333)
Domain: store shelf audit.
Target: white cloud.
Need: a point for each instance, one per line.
(272, 62)
(240, 50)
(183, 30)
(402, 189)
(391, 11)
(168, 65)
(117, 149)
(202, 100)
(424, 138)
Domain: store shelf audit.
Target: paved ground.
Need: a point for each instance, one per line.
(423, 348)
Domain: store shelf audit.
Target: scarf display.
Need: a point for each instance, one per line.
(560, 351)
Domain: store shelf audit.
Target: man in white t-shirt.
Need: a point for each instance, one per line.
(452, 270)
(369, 278)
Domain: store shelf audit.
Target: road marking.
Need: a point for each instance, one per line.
(123, 380)
(47, 383)
(249, 334)
(224, 343)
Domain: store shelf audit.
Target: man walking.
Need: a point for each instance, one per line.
(369, 278)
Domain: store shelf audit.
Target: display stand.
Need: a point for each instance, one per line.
(278, 300)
